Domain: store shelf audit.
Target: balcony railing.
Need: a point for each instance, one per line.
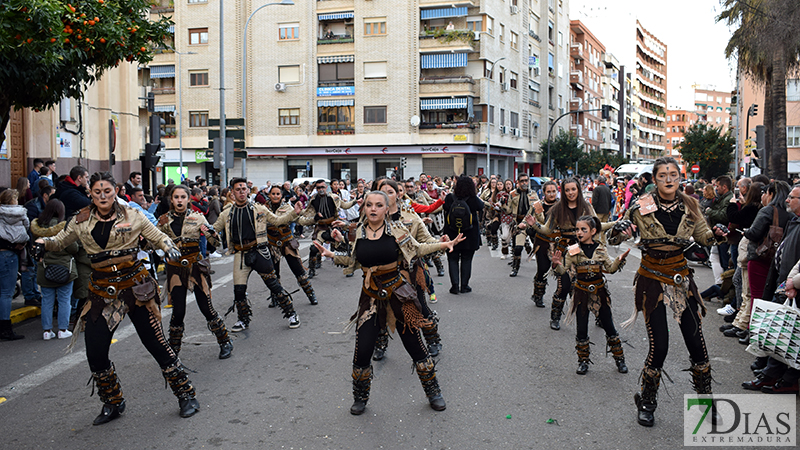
(341, 129)
(163, 90)
(335, 39)
(447, 125)
(454, 79)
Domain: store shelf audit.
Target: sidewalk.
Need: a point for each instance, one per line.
(20, 312)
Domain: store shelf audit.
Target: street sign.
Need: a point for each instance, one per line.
(695, 169)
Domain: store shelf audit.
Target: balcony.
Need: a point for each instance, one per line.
(163, 90)
(452, 40)
(331, 130)
(449, 126)
(447, 86)
(576, 51)
(331, 38)
(576, 79)
(457, 3)
(533, 34)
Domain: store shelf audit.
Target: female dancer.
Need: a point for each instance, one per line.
(492, 216)
(506, 220)
(385, 250)
(590, 259)
(120, 284)
(561, 219)
(542, 244)
(192, 271)
(666, 220)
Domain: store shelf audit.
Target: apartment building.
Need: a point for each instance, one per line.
(612, 94)
(651, 93)
(713, 107)
(340, 88)
(678, 121)
(586, 72)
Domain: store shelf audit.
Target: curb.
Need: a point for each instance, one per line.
(25, 313)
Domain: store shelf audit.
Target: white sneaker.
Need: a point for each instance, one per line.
(239, 326)
(294, 321)
(503, 256)
(48, 335)
(64, 334)
(726, 311)
(215, 255)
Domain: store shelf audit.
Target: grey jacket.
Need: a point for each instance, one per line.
(14, 224)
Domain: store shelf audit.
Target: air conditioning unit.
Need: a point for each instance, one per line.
(516, 132)
(504, 86)
(280, 87)
(514, 9)
(503, 129)
(65, 110)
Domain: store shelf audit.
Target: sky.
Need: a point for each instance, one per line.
(695, 42)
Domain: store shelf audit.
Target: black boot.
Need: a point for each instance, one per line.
(494, 242)
(701, 382)
(305, 285)
(312, 267)
(431, 334)
(515, 265)
(217, 326)
(178, 380)
(439, 266)
(426, 369)
(243, 310)
(6, 333)
(175, 338)
(615, 347)
(362, 379)
(110, 393)
(555, 313)
(582, 348)
(539, 288)
(381, 344)
(645, 400)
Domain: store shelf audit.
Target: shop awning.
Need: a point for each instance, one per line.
(162, 71)
(342, 102)
(440, 13)
(427, 104)
(164, 108)
(336, 16)
(335, 59)
(444, 60)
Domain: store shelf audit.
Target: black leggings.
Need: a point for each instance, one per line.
(493, 227)
(367, 335)
(148, 327)
(178, 297)
(582, 318)
(658, 335)
(464, 257)
(295, 265)
(563, 287)
(542, 262)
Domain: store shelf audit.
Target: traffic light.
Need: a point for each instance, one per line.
(753, 110)
(112, 142)
(403, 162)
(155, 145)
(756, 157)
(151, 102)
(606, 112)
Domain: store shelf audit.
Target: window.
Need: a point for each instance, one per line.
(374, 114)
(502, 33)
(534, 87)
(502, 117)
(197, 1)
(289, 116)
(560, 39)
(513, 80)
(502, 75)
(375, 69)
(533, 23)
(198, 36)
(793, 136)
(198, 119)
(550, 30)
(288, 31)
(551, 63)
(336, 117)
(168, 127)
(491, 114)
(288, 74)
(375, 26)
(535, 130)
(475, 24)
(336, 72)
(198, 78)
(793, 90)
(513, 119)
(490, 25)
(514, 41)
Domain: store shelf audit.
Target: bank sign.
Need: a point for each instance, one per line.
(335, 91)
(754, 420)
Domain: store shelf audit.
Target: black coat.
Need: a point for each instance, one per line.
(601, 199)
(473, 235)
(72, 196)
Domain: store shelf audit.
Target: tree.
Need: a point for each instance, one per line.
(708, 148)
(565, 150)
(592, 162)
(52, 49)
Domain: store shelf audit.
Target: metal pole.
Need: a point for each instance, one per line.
(550, 132)
(180, 120)
(488, 127)
(223, 170)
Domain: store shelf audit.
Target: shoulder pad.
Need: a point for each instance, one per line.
(83, 215)
(164, 219)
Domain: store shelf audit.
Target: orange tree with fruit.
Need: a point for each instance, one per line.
(52, 49)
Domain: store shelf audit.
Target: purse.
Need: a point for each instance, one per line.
(56, 273)
(766, 250)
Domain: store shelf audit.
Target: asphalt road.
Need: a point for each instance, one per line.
(503, 371)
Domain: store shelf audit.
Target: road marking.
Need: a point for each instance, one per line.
(61, 365)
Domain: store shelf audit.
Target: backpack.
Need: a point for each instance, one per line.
(460, 217)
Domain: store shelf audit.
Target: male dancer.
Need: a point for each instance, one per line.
(323, 210)
(520, 204)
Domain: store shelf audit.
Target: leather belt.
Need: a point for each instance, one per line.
(245, 247)
(593, 268)
(590, 286)
(672, 270)
(102, 256)
(110, 287)
(187, 260)
(115, 264)
(369, 272)
(383, 289)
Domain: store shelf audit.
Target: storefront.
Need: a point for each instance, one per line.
(344, 169)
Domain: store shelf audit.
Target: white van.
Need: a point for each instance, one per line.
(634, 169)
(299, 181)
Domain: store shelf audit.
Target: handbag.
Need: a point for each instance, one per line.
(766, 250)
(56, 273)
(773, 328)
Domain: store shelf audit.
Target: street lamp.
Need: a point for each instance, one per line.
(550, 131)
(180, 112)
(244, 55)
(488, 124)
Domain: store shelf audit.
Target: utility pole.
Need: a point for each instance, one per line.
(223, 169)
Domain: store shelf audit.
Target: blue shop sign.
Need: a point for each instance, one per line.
(334, 91)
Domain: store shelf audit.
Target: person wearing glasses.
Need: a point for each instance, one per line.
(520, 204)
(322, 210)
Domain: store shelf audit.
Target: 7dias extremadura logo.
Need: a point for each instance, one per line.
(744, 420)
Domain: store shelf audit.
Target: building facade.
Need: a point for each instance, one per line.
(651, 92)
(713, 107)
(678, 121)
(585, 76)
(346, 89)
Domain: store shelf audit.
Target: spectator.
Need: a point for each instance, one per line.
(601, 199)
(689, 190)
(263, 195)
(214, 205)
(48, 224)
(134, 180)
(51, 166)
(460, 259)
(717, 214)
(45, 174)
(302, 197)
(33, 176)
(139, 202)
(14, 226)
(23, 187)
(73, 191)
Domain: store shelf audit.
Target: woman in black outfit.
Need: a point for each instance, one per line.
(463, 252)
